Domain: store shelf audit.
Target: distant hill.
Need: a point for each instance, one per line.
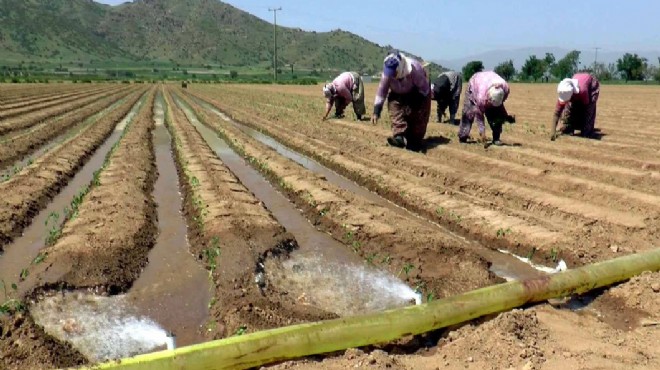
(179, 31)
(494, 57)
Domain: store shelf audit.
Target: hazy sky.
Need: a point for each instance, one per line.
(446, 29)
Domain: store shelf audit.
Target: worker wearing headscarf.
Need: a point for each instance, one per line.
(446, 89)
(406, 87)
(485, 96)
(345, 89)
(577, 98)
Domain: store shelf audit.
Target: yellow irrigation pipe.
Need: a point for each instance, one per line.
(328, 336)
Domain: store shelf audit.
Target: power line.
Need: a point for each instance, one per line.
(274, 10)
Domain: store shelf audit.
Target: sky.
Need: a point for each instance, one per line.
(449, 29)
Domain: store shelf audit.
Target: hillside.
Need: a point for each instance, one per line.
(177, 31)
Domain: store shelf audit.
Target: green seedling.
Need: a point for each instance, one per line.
(323, 212)
(440, 211)
(10, 304)
(212, 302)
(240, 331)
(531, 253)
(407, 268)
(39, 258)
(23, 275)
(370, 258)
(386, 260)
(212, 253)
(356, 246)
(554, 255)
(430, 297)
(503, 232)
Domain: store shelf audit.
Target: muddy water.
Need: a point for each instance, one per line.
(502, 265)
(174, 290)
(323, 272)
(19, 254)
(10, 169)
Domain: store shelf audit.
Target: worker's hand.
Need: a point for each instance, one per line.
(511, 118)
(553, 137)
(483, 140)
(374, 119)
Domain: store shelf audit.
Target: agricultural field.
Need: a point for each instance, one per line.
(220, 210)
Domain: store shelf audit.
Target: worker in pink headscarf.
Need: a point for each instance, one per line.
(577, 99)
(345, 89)
(406, 87)
(485, 96)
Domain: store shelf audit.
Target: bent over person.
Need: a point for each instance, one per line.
(447, 88)
(485, 96)
(345, 89)
(406, 87)
(578, 97)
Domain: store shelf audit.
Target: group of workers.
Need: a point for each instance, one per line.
(406, 87)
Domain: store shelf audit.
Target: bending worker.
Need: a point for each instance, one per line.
(345, 89)
(409, 102)
(485, 96)
(578, 96)
(447, 88)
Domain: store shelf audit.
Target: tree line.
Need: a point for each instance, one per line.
(630, 67)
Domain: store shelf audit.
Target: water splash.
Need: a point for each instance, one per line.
(343, 288)
(101, 328)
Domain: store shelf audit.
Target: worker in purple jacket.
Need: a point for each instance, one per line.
(405, 81)
(485, 96)
(345, 89)
(578, 96)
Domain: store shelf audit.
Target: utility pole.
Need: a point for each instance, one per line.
(274, 10)
(596, 59)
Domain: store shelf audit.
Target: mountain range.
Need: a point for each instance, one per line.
(170, 31)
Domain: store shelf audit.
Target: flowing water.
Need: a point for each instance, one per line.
(323, 272)
(503, 265)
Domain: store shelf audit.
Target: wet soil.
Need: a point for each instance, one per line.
(418, 253)
(174, 289)
(106, 244)
(18, 147)
(542, 208)
(232, 234)
(24, 249)
(32, 188)
(30, 119)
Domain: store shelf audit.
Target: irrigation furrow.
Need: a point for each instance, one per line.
(431, 201)
(533, 208)
(382, 236)
(232, 234)
(111, 228)
(46, 225)
(34, 118)
(32, 188)
(32, 106)
(20, 146)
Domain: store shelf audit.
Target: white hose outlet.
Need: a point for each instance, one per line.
(170, 342)
(418, 298)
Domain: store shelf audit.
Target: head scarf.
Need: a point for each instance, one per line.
(496, 95)
(329, 90)
(566, 88)
(396, 65)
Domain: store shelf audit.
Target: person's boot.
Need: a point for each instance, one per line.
(463, 139)
(359, 117)
(397, 141)
(497, 143)
(452, 119)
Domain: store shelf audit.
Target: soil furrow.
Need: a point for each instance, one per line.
(23, 145)
(36, 117)
(39, 104)
(379, 235)
(29, 190)
(232, 233)
(105, 243)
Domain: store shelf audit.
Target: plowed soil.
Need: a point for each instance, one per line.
(434, 220)
(576, 199)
